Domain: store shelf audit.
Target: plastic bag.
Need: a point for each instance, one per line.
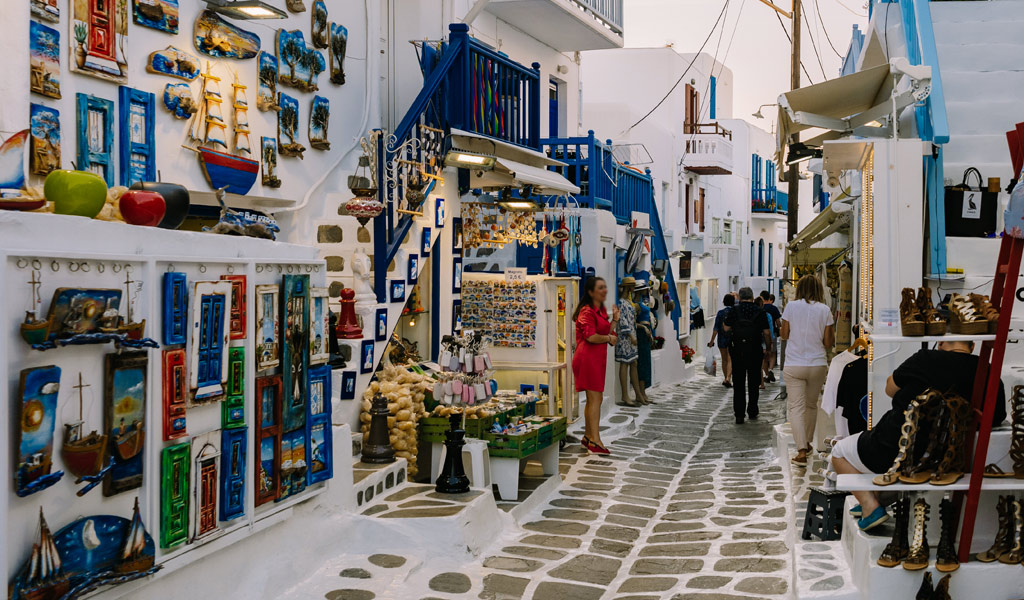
(709, 362)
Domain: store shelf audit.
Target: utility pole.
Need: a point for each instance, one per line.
(792, 174)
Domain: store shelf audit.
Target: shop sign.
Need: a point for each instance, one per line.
(515, 274)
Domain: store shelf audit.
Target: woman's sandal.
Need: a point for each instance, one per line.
(951, 467)
(1017, 438)
(964, 318)
(984, 307)
(912, 323)
(993, 471)
(934, 323)
(908, 431)
(933, 412)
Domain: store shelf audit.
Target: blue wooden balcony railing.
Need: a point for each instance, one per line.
(769, 200)
(467, 86)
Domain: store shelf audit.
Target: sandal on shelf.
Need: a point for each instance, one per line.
(964, 318)
(959, 423)
(911, 320)
(908, 431)
(1015, 554)
(933, 321)
(1004, 540)
(1017, 439)
(933, 416)
(983, 306)
(993, 471)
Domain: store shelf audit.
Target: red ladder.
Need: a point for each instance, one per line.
(987, 379)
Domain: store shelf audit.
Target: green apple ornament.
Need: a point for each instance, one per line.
(78, 193)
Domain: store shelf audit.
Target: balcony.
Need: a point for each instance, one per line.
(708, 149)
(565, 25)
(769, 201)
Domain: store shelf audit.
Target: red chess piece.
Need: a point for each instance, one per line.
(348, 324)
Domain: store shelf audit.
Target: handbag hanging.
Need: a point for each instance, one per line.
(970, 211)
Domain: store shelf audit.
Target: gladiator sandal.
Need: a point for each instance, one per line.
(983, 306)
(945, 556)
(1014, 555)
(896, 550)
(1017, 439)
(911, 321)
(1005, 535)
(933, 321)
(951, 467)
(942, 589)
(908, 432)
(933, 412)
(919, 554)
(925, 591)
(964, 318)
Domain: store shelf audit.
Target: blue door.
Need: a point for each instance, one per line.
(553, 109)
(211, 340)
(175, 306)
(232, 473)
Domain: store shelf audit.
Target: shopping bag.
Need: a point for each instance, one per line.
(709, 361)
(970, 211)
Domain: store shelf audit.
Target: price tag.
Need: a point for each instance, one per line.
(515, 274)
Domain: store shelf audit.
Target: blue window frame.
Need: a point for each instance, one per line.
(211, 340)
(96, 136)
(138, 149)
(553, 100)
(714, 86)
(751, 258)
(760, 258)
(771, 271)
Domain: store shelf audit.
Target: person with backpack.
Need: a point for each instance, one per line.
(748, 327)
(808, 328)
(771, 356)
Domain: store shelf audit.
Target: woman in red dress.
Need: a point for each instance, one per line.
(593, 337)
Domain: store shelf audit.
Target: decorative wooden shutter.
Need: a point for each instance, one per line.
(232, 473)
(96, 136)
(138, 148)
(174, 495)
(175, 308)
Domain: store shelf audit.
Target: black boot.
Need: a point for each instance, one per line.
(925, 592)
(942, 589)
(899, 547)
(1004, 540)
(920, 553)
(946, 560)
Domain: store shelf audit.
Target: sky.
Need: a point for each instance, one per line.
(759, 55)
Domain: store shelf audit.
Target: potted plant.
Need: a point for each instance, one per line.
(81, 32)
(688, 354)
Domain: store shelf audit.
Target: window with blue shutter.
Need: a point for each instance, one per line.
(211, 340)
(175, 307)
(760, 258)
(714, 85)
(138, 149)
(95, 136)
(232, 473)
(751, 258)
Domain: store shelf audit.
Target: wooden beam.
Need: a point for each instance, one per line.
(788, 15)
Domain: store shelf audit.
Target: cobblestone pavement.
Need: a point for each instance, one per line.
(689, 507)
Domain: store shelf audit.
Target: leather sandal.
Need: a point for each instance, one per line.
(933, 321)
(964, 318)
(1015, 554)
(984, 307)
(908, 431)
(1004, 541)
(897, 549)
(933, 412)
(912, 323)
(959, 423)
(995, 472)
(920, 553)
(1017, 439)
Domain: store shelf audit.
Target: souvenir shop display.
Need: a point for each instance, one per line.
(348, 385)
(232, 468)
(204, 455)
(413, 269)
(425, 242)
(137, 147)
(505, 311)
(487, 225)
(456, 275)
(179, 101)
(295, 6)
(336, 52)
(268, 438)
(233, 171)
(239, 302)
(12, 174)
(364, 205)
(402, 351)
(397, 290)
(85, 555)
(38, 389)
(233, 405)
(33, 329)
(319, 441)
(87, 457)
(319, 119)
(175, 394)
(90, 316)
(293, 463)
(100, 39)
(216, 37)
(173, 62)
(266, 90)
(404, 391)
(124, 417)
(318, 27)
(288, 126)
(210, 336)
(142, 208)
(44, 153)
(366, 362)
(248, 223)
(44, 56)
(270, 178)
(380, 333)
(439, 213)
(268, 339)
(161, 15)
(175, 307)
(294, 350)
(300, 64)
(319, 326)
(348, 327)
(46, 10)
(176, 201)
(174, 494)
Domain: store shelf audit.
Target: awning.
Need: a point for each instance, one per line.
(482, 144)
(510, 173)
(825, 224)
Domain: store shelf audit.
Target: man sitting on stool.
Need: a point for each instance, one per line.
(950, 369)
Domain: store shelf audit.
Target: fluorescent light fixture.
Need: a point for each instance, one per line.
(246, 9)
(799, 152)
(465, 159)
(519, 205)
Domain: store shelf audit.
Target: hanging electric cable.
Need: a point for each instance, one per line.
(803, 67)
(814, 45)
(824, 29)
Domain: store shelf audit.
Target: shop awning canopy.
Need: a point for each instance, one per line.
(825, 224)
(514, 166)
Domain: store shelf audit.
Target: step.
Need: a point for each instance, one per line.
(983, 56)
(373, 480)
(986, 28)
(974, 83)
(963, 13)
(969, 116)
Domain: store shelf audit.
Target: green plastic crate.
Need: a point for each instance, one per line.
(432, 429)
(511, 446)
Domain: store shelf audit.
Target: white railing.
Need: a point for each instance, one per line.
(609, 11)
(708, 150)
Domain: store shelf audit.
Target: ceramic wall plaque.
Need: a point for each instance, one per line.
(294, 350)
(179, 101)
(268, 439)
(137, 140)
(239, 305)
(266, 90)
(366, 357)
(300, 64)
(380, 332)
(175, 466)
(398, 291)
(174, 62)
(319, 327)
(46, 10)
(232, 473)
(209, 347)
(45, 149)
(12, 162)
(213, 36)
(161, 15)
(125, 419)
(319, 120)
(268, 336)
(44, 58)
(205, 482)
(348, 385)
(413, 270)
(270, 178)
(99, 38)
(95, 128)
(175, 308)
(233, 406)
(288, 126)
(425, 242)
(319, 31)
(38, 389)
(339, 43)
(175, 393)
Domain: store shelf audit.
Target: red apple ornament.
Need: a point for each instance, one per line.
(139, 207)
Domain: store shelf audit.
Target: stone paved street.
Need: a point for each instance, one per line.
(690, 506)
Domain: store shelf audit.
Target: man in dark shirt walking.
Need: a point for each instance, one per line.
(773, 350)
(748, 326)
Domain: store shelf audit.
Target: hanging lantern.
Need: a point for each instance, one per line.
(364, 206)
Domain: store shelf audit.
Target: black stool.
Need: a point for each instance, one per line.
(824, 516)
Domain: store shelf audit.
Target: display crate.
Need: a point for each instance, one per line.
(432, 429)
(511, 446)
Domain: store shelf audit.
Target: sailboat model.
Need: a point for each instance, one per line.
(84, 455)
(134, 557)
(223, 169)
(33, 329)
(135, 331)
(46, 576)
